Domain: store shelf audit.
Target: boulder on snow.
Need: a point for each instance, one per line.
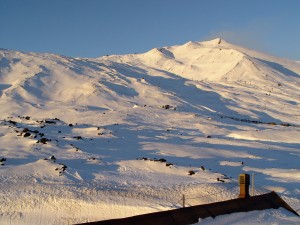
(43, 140)
(26, 134)
(2, 159)
(191, 172)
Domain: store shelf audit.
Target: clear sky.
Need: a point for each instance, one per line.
(92, 28)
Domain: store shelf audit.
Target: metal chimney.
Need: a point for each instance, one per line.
(244, 182)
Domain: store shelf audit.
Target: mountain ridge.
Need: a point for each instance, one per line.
(123, 80)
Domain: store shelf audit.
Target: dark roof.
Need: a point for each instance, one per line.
(190, 215)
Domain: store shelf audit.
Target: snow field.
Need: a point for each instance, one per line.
(92, 139)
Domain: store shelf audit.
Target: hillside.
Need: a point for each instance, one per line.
(85, 139)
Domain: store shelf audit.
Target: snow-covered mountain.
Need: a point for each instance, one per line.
(85, 139)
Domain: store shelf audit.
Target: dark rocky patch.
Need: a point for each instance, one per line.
(25, 130)
(256, 121)
(12, 122)
(64, 167)
(160, 160)
(220, 180)
(168, 107)
(78, 137)
(49, 122)
(26, 134)
(43, 140)
(2, 159)
(191, 172)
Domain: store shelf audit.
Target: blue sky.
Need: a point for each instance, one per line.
(92, 28)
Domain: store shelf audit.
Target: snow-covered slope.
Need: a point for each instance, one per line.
(90, 139)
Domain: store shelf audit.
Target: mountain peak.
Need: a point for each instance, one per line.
(215, 41)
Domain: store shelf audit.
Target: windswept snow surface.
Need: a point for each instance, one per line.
(92, 139)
